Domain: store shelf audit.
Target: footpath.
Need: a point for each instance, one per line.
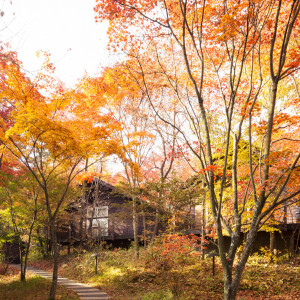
(84, 291)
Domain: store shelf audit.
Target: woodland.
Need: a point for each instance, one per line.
(202, 109)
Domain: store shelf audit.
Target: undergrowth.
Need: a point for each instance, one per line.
(156, 276)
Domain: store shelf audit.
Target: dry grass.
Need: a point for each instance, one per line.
(123, 278)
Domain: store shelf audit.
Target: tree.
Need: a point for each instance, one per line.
(47, 138)
(136, 141)
(227, 60)
(19, 206)
(165, 165)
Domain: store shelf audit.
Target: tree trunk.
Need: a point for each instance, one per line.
(27, 249)
(144, 229)
(81, 230)
(155, 226)
(135, 228)
(203, 223)
(48, 243)
(229, 292)
(55, 261)
(69, 239)
(232, 281)
(22, 275)
(292, 245)
(272, 246)
(82, 213)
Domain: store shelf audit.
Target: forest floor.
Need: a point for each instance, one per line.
(150, 277)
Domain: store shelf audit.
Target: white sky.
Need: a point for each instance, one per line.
(65, 28)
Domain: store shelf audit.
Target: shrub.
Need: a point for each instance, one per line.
(172, 250)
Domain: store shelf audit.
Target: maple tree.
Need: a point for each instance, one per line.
(51, 136)
(137, 140)
(226, 60)
(17, 190)
(19, 206)
(132, 141)
(149, 149)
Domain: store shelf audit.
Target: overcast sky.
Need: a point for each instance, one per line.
(65, 28)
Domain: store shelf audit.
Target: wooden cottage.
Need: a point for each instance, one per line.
(104, 213)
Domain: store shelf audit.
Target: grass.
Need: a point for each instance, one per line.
(154, 278)
(35, 287)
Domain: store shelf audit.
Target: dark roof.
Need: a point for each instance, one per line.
(103, 183)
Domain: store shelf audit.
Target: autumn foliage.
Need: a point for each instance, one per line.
(222, 74)
(203, 110)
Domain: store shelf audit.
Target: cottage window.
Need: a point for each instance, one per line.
(98, 217)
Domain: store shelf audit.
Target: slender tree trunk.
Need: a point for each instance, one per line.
(22, 275)
(69, 238)
(144, 229)
(81, 229)
(272, 246)
(154, 232)
(24, 265)
(27, 249)
(48, 242)
(135, 228)
(203, 223)
(83, 207)
(82, 213)
(55, 261)
(292, 244)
